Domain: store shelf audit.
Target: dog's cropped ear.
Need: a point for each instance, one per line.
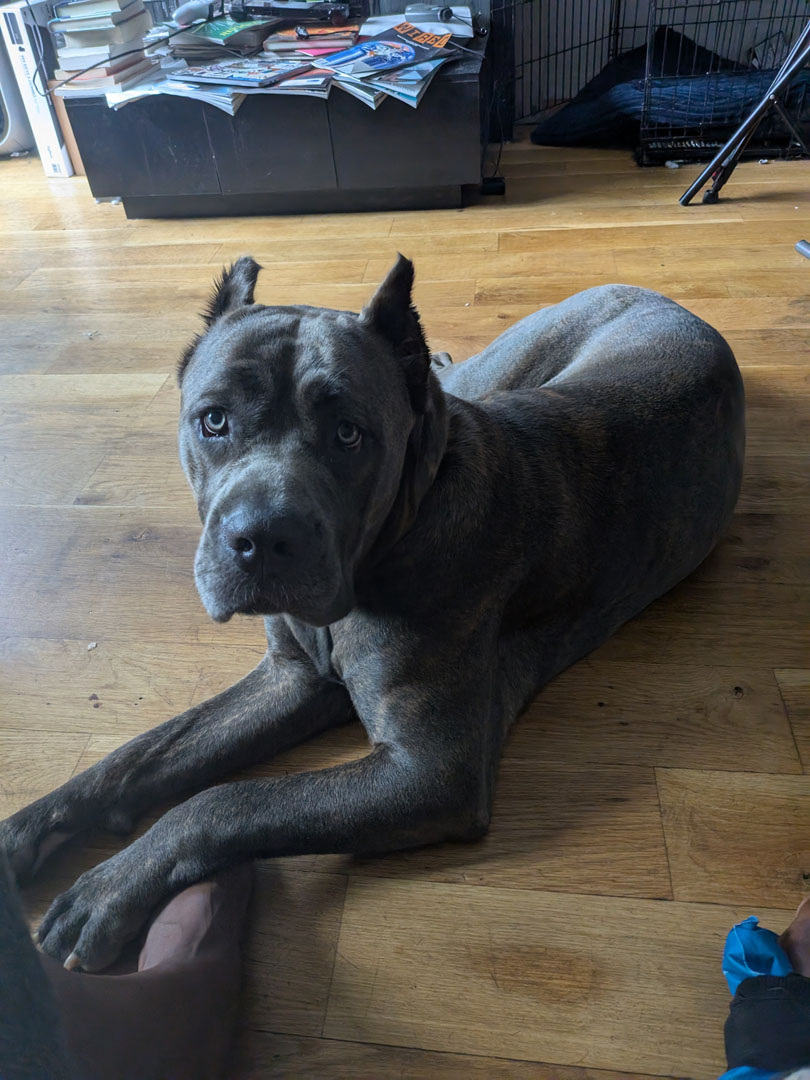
(391, 314)
(233, 289)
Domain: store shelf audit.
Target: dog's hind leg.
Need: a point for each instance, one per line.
(281, 703)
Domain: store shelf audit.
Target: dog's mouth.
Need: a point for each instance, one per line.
(314, 606)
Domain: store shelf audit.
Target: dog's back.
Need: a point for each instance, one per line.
(625, 420)
(615, 332)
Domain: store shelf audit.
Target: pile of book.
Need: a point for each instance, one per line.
(105, 36)
(219, 39)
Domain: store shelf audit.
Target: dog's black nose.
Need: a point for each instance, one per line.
(272, 543)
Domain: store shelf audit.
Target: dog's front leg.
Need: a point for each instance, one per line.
(385, 801)
(281, 703)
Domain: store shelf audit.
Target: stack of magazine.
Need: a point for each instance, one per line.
(256, 73)
(399, 62)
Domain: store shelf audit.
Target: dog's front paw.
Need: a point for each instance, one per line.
(88, 925)
(28, 837)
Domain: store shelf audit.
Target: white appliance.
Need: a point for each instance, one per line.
(15, 131)
(24, 30)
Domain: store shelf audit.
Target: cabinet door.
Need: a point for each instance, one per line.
(156, 146)
(396, 146)
(274, 144)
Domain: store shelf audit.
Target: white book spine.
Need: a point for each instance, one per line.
(17, 36)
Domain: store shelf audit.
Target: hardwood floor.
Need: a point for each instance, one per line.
(651, 796)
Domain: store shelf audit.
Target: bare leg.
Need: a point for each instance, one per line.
(174, 1016)
(796, 939)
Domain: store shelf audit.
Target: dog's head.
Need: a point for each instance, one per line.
(303, 432)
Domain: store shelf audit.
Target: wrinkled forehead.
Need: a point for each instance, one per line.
(275, 353)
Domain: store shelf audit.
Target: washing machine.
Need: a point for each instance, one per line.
(15, 131)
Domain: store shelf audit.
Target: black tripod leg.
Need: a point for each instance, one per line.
(722, 164)
(722, 175)
(787, 120)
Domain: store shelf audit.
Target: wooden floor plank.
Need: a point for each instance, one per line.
(553, 287)
(545, 264)
(667, 714)
(113, 689)
(39, 477)
(711, 623)
(542, 976)
(639, 240)
(291, 950)
(776, 483)
(794, 686)
(737, 837)
(141, 569)
(775, 346)
(385, 249)
(761, 547)
(266, 1056)
(26, 776)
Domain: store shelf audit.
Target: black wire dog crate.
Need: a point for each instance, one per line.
(693, 69)
(708, 66)
(545, 52)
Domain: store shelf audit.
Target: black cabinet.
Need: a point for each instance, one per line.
(168, 157)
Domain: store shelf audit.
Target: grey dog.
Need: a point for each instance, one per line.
(428, 546)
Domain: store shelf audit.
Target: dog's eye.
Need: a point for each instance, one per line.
(214, 423)
(349, 435)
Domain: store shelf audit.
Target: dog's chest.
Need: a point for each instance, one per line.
(318, 645)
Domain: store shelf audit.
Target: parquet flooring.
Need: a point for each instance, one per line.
(651, 796)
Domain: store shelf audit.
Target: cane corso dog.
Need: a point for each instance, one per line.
(428, 545)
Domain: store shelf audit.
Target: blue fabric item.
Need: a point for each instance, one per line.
(717, 101)
(752, 950)
(746, 1073)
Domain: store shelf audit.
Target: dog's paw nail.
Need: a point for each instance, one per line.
(72, 962)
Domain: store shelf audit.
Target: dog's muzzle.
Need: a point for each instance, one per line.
(254, 560)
